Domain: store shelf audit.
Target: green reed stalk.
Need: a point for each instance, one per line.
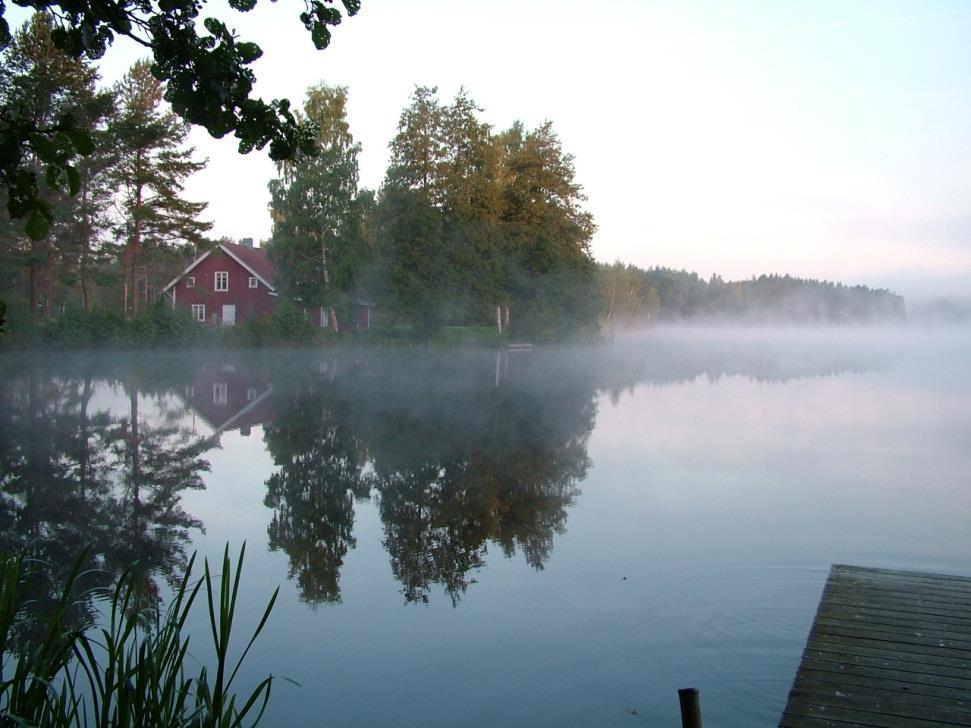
(129, 672)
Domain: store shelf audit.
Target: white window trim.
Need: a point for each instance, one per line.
(220, 393)
(253, 282)
(199, 312)
(190, 281)
(216, 280)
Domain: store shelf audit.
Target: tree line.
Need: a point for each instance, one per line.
(470, 225)
(467, 221)
(633, 296)
(130, 225)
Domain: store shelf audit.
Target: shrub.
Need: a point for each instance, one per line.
(289, 324)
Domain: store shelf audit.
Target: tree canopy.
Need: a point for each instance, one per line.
(469, 219)
(317, 213)
(207, 76)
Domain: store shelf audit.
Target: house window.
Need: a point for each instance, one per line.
(324, 320)
(222, 280)
(190, 391)
(199, 311)
(190, 281)
(250, 394)
(220, 393)
(252, 282)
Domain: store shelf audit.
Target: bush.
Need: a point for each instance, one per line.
(174, 326)
(289, 324)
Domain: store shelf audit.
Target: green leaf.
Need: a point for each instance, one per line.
(81, 140)
(45, 149)
(214, 26)
(320, 36)
(248, 52)
(73, 180)
(36, 225)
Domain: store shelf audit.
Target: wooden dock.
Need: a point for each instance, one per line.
(889, 649)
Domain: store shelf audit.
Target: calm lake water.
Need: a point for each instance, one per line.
(545, 538)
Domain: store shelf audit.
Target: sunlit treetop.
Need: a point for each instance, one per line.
(206, 71)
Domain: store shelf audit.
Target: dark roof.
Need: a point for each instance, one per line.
(256, 259)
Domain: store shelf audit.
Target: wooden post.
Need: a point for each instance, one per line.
(690, 708)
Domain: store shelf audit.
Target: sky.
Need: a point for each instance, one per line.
(827, 139)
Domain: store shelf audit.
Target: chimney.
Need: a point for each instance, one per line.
(248, 242)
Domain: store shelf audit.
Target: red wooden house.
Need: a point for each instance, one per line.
(233, 282)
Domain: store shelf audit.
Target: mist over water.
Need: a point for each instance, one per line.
(561, 536)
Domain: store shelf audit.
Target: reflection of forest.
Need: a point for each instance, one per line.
(464, 449)
(460, 449)
(73, 476)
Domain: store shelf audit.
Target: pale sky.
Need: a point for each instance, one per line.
(826, 139)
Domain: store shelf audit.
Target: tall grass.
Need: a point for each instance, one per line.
(132, 670)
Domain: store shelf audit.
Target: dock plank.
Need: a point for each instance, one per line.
(886, 649)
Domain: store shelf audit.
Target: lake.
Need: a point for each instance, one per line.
(562, 536)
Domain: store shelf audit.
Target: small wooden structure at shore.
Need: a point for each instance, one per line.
(888, 649)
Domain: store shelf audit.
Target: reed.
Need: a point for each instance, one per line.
(133, 670)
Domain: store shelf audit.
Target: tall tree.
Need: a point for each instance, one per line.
(469, 220)
(40, 84)
(318, 241)
(551, 274)
(151, 171)
(438, 212)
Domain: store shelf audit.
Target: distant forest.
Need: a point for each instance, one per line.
(633, 295)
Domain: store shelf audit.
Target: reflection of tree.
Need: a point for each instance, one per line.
(312, 494)
(457, 461)
(476, 463)
(55, 482)
(156, 460)
(71, 478)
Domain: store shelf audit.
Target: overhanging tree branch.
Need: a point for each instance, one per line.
(207, 76)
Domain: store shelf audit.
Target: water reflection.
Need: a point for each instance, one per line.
(455, 460)
(463, 451)
(77, 474)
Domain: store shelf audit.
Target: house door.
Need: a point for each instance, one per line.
(229, 314)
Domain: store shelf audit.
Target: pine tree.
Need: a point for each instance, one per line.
(150, 172)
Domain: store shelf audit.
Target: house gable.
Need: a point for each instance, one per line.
(217, 286)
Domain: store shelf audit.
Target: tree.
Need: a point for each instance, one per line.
(207, 77)
(150, 171)
(41, 83)
(318, 240)
(550, 272)
(438, 230)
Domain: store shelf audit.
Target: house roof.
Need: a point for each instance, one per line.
(255, 260)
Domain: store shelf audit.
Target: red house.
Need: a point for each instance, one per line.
(234, 282)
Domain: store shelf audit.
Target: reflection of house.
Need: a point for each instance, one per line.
(233, 282)
(228, 400)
